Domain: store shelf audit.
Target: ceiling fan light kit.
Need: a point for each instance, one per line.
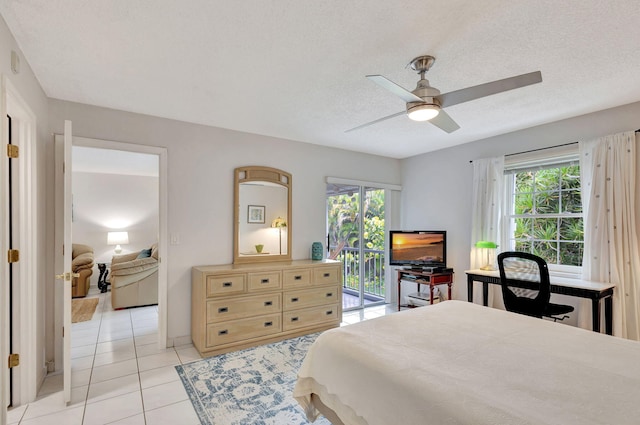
(426, 103)
(418, 111)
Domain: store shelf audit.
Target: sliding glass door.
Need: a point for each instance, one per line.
(355, 228)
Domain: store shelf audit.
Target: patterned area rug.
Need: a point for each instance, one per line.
(249, 387)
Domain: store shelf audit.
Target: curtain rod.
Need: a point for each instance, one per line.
(542, 149)
(536, 150)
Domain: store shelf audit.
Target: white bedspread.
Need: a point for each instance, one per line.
(461, 363)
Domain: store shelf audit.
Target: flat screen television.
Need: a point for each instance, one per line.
(418, 248)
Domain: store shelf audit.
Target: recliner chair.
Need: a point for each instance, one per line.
(81, 263)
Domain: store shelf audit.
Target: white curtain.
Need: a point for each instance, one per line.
(486, 210)
(611, 251)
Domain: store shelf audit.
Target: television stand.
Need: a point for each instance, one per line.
(422, 277)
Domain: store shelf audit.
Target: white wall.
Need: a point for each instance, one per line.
(437, 186)
(29, 89)
(100, 199)
(201, 161)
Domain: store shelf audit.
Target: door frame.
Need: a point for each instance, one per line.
(162, 222)
(163, 233)
(26, 230)
(26, 233)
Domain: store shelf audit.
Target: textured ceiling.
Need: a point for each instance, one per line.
(295, 69)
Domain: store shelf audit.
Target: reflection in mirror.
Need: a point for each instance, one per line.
(262, 214)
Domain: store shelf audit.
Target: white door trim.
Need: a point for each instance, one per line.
(163, 208)
(4, 269)
(26, 299)
(28, 266)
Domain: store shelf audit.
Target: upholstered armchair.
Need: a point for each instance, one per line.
(81, 263)
(134, 278)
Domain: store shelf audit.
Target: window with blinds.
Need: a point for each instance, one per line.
(544, 208)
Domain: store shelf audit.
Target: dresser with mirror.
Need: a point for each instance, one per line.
(264, 296)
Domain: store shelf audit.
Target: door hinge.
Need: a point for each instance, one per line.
(14, 360)
(13, 151)
(13, 256)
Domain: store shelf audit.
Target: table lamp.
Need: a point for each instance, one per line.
(117, 239)
(487, 246)
(279, 223)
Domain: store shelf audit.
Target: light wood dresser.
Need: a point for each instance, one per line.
(239, 306)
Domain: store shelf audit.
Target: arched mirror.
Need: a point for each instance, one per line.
(262, 215)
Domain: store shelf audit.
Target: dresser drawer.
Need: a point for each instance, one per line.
(226, 285)
(310, 297)
(309, 317)
(264, 281)
(243, 329)
(326, 276)
(242, 307)
(296, 278)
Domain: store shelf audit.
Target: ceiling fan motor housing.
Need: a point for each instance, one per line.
(428, 95)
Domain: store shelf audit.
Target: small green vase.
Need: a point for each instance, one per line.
(316, 251)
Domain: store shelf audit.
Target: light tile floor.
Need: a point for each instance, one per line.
(120, 376)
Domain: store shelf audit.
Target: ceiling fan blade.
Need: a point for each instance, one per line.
(444, 122)
(401, 92)
(487, 89)
(376, 121)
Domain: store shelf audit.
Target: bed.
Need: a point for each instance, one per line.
(461, 363)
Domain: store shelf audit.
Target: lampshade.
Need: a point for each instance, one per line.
(117, 238)
(279, 222)
(423, 112)
(486, 244)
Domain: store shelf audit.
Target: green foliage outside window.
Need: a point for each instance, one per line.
(547, 214)
(343, 215)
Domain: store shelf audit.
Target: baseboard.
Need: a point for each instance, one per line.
(179, 340)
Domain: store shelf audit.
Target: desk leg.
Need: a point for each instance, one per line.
(431, 294)
(595, 314)
(485, 294)
(449, 290)
(608, 315)
(469, 289)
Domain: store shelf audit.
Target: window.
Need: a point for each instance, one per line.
(544, 212)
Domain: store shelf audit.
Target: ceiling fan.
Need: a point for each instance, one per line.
(425, 103)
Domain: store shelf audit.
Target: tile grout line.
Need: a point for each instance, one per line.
(95, 352)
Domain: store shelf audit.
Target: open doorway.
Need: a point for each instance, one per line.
(115, 226)
(115, 211)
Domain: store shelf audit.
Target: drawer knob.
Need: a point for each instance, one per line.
(329, 312)
(326, 274)
(268, 303)
(298, 277)
(329, 294)
(264, 281)
(267, 324)
(294, 300)
(223, 332)
(227, 284)
(294, 319)
(223, 309)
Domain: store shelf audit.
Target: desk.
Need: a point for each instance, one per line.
(424, 278)
(595, 291)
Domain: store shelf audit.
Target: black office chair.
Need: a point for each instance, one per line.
(526, 288)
